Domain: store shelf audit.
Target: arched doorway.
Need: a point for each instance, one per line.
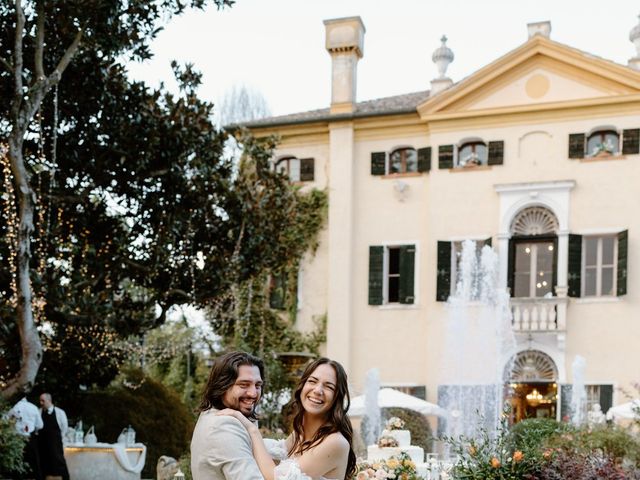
(531, 377)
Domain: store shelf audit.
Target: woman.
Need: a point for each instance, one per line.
(320, 445)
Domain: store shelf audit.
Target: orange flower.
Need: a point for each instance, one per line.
(547, 454)
(495, 463)
(518, 456)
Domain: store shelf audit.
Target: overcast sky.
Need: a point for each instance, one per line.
(277, 46)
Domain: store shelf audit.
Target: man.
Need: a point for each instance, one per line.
(28, 422)
(221, 446)
(54, 428)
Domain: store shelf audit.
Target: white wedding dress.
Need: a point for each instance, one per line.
(288, 468)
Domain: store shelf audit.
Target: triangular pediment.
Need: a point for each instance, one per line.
(538, 73)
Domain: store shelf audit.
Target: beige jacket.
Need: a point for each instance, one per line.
(221, 449)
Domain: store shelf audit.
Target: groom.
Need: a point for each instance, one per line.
(221, 446)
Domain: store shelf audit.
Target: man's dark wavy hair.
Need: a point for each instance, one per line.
(223, 376)
(336, 421)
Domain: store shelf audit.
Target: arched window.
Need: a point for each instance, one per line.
(297, 169)
(472, 153)
(602, 143)
(403, 160)
(531, 366)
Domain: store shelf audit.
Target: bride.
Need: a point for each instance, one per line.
(320, 446)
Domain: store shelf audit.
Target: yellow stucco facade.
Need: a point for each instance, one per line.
(531, 100)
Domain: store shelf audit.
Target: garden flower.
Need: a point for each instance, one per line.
(518, 456)
(472, 450)
(547, 454)
(495, 463)
(393, 463)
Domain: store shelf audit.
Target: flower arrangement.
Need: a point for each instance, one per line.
(387, 441)
(398, 468)
(394, 423)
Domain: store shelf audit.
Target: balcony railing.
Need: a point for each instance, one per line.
(539, 314)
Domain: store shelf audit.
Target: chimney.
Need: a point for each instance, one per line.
(539, 28)
(345, 44)
(634, 37)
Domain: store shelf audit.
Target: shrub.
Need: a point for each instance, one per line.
(491, 458)
(564, 464)
(612, 441)
(161, 421)
(530, 436)
(11, 445)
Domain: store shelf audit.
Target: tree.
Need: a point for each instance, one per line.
(119, 202)
(240, 104)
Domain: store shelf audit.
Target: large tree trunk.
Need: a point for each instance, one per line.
(29, 339)
(24, 106)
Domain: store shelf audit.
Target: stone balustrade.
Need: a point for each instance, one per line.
(539, 314)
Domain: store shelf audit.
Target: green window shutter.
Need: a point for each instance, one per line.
(576, 145)
(606, 397)
(378, 163)
(278, 291)
(631, 141)
(407, 273)
(574, 266)
(445, 156)
(307, 169)
(565, 402)
(487, 242)
(511, 266)
(623, 241)
(376, 259)
(443, 282)
(424, 159)
(496, 153)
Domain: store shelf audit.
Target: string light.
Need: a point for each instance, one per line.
(11, 216)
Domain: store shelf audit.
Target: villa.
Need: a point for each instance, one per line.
(537, 155)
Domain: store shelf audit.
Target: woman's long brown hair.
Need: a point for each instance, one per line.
(336, 421)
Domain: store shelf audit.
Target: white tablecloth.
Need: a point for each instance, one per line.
(102, 461)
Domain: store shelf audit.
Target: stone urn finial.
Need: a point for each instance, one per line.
(442, 57)
(634, 37)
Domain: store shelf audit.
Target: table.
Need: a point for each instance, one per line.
(100, 461)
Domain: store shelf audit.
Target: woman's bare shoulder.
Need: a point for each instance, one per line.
(336, 441)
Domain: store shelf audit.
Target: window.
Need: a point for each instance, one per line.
(449, 255)
(602, 143)
(278, 291)
(391, 274)
(472, 154)
(297, 169)
(456, 258)
(534, 268)
(599, 266)
(600, 394)
(403, 160)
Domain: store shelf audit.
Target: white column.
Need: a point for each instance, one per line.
(563, 258)
(503, 259)
(341, 166)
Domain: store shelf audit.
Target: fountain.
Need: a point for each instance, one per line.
(479, 341)
(372, 410)
(578, 391)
